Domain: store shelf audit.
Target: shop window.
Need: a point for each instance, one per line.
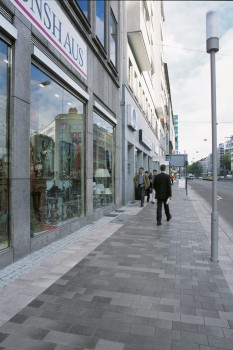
(113, 39)
(56, 154)
(104, 162)
(4, 144)
(100, 21)
(84, 5)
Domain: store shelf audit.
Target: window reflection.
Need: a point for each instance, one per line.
(104, 162)
(100, 16)
(113, 39)
(56, 154)
(84, 6)
(4, 149)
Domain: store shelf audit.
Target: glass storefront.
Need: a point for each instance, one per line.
(104, 162)
(4, 144)
(57, 142)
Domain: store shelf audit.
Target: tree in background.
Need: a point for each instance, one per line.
(194, 168)
(226, 162)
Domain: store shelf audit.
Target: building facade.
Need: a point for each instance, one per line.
(176, 129)
(85, 100)
(146, 106)
(60, 153)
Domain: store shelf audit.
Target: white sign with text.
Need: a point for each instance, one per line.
(48, 17)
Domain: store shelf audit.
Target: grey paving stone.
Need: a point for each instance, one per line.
(216, 331)
(184, 346)
(142, 330)
(228, 333)
(216, 322)
(192, 319)
(23, 343)
(203, 347)
(223, 343)
(18, 318)
(143, 288)
(108, 345)
(193, 338)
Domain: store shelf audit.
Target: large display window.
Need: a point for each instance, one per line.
(104, 162)
(4, 144)
(57, 129)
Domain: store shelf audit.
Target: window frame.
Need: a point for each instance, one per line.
(113, 18)
(9, 45)
(103, 45)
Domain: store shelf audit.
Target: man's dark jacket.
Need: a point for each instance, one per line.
(162, 186)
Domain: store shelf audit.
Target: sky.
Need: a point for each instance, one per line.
(184, 40)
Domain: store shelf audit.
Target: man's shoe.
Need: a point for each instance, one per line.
(159, 223)
(169, 218)
(141, 205)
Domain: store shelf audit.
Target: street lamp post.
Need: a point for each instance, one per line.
(212, 46)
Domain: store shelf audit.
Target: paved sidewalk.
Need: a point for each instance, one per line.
(126, 285)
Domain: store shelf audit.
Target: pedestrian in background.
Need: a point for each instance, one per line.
(172, 178)
(148, 190)
(153, 190)
(142, 183)
(163, 189)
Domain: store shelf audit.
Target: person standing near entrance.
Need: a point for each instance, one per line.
(141, 182)
(162, 186)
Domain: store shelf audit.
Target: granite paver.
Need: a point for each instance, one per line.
(139, 287)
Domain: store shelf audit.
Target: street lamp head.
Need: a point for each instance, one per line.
(212, 31)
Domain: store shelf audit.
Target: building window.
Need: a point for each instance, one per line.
(135, 85)
(85, 7)
(104, 162)
(113, 39)
(57, 144)
(100, 21)
(4, 144)
(130, 74)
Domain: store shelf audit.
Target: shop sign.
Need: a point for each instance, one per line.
(177, 160)
(55, 26)
(143, 138)
(132, 117)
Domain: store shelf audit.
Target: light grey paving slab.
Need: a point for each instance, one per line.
(138, 287)
(108, 345)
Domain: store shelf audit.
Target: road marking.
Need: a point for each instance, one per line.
(218, 198)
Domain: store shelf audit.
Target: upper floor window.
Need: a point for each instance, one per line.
(100, 21)
(136, 85)
(85, 7)
(113, 39)
(130, 74)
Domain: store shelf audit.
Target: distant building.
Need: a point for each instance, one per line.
(222, 150)
(176, 133)
(146, 99)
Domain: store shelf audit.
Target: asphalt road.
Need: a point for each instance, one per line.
(225, 196)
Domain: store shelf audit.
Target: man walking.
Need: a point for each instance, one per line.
(162, 186)
(141, 182)
(153, 190)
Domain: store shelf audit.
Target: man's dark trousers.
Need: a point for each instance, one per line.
(141, 194)
(160, 203)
